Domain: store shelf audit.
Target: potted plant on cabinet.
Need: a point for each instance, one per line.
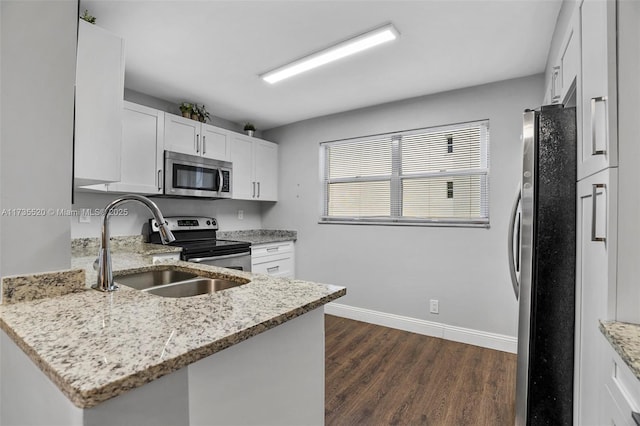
(186, 109)
(89, 18)
(249, 128)
(201, 113)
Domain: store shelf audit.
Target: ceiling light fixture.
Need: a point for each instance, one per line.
(346, 48)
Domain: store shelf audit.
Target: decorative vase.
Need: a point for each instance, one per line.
(186, 114)
(195, 117)
(250, 132)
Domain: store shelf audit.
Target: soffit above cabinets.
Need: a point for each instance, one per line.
(213, 52)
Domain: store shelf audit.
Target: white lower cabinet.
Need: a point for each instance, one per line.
(595, 290)
(621, 390)
(275, 259)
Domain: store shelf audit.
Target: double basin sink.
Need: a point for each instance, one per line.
(173, 283)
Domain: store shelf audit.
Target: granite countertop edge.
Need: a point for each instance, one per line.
(625, 340)
(259, 236)
(86, 393)
(88, 399)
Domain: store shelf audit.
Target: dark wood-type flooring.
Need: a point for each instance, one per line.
(381, 376)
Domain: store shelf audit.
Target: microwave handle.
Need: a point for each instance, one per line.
(221, 179)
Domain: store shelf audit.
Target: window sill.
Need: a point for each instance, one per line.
(434, 223)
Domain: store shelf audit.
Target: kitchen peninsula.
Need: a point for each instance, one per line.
(129, 357)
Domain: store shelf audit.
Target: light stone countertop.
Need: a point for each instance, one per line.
(258, 236)
(625, 339)
(95, 346)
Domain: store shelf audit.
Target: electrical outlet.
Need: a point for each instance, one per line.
(240, 214)
(433, 306)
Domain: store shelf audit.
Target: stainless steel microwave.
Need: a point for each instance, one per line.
(195, 176)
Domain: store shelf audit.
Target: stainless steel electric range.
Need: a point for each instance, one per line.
(197, 237)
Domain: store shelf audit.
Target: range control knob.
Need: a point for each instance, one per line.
(208, 222)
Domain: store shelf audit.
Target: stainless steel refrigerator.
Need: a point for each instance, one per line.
(542, 259)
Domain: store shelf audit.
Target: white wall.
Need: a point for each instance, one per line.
(225, 211)
(628, 289)
(397, 269)
(38, 74)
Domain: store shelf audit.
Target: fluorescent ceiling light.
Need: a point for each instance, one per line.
(330, 54)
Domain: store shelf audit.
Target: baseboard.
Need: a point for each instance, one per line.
(484, 339)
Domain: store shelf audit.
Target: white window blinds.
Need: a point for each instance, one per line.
(426, 176)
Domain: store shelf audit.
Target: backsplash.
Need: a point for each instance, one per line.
(225, 211)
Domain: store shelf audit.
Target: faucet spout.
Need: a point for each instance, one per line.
(105, 271)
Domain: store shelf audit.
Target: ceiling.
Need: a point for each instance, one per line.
(212, 52)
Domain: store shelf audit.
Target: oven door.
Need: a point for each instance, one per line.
(194, 176)
(238, 261)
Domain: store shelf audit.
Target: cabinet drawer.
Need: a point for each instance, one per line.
(278, 266)
(611, 412)
(270, 249)
(624, 387)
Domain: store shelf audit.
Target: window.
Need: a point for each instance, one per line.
(410, 177)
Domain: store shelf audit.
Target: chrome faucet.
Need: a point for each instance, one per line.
(105, 273)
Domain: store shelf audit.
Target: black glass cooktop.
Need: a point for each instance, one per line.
(209, 248)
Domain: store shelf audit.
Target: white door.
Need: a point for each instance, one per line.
(266, 170)
(215, 143)
(243, 184)
(595, 280)
(142, 149)
(181, 135)
(99, 94)
(598, 149)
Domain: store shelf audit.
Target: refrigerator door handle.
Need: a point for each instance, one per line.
(594, 212)
(513, 256)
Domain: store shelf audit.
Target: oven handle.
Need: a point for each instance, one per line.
(229, 256)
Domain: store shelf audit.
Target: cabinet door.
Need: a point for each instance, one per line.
(266, 170)
(215, 143)
(570, 58)
(142, 150)
(99, 99)
(595, 290)
(181, 135)
(243, 184)
(598, 149)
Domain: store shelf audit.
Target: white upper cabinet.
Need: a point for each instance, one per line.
(191, 137)
(216, 143)
(243, 185)
(266, 170)
(563, 72)
(255, 168)
(598, 149)
(99, 101)
(142, 150)
(569, 63)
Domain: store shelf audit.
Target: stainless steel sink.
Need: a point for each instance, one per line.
(193, 287)
(168, 282)
(156, 277)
